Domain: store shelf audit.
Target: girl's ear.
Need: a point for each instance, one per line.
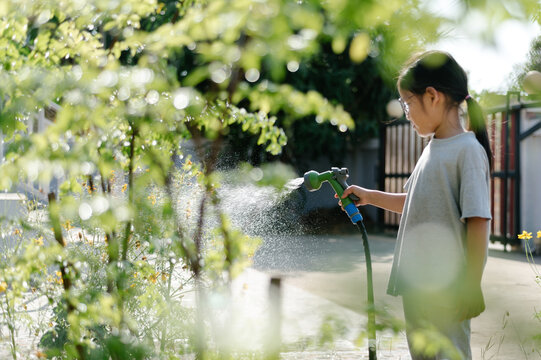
(433, 95)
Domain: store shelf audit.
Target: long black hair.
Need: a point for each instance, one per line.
(440, 70)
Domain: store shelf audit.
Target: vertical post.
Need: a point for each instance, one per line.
(492, 135)
(41, 120)
(275, 319)
(381, 169)
(516, 144)
(517, 204)
(504, 182)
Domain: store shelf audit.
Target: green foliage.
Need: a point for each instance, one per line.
(132, 85)
(533, 62)
(430, 342)
(331, 329)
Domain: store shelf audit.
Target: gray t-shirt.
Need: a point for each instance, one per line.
(450, 183)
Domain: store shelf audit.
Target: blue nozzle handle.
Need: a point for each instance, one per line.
(353, 213)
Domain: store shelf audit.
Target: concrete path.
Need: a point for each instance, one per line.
(323, 291)
(330, 271)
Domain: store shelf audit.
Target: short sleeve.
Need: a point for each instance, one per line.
(407, 185)
(475, 186)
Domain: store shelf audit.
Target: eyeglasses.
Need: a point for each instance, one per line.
(405, 106)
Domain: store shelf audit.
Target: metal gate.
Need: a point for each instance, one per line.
(400, 148)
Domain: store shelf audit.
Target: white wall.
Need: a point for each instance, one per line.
(531, 173)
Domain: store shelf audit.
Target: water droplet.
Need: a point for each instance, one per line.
(181, 99)
(293, 66)
(152, 97)
(296, 42)
(74, 96)
(107, 78)
(218, 74)
(100, 204)
(256, 174)
(43, 17)
(85, 211)
(394, 109)
(252, 75)
(142, 76)
(343, 128)
(76, 70)
(122, 213)
(123, 93)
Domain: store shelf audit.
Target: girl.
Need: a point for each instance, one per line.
(442, 240)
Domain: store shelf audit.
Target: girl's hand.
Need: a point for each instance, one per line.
(471, 302)
(360, 192)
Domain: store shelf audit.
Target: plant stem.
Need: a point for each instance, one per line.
(11, 328)
(66, 280)
(128, 232)
(167, 300)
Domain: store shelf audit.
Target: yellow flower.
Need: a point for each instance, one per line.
(539, 234)
(67, 225)
(525, 235)
(153, 277)
(3, 286)
(124, 187)
(39, 241)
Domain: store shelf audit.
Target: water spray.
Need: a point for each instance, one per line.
(337, 178)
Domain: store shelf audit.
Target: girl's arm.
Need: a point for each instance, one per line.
(477, 232)
(388, 201)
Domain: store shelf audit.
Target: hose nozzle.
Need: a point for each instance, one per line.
(312, 180)
(337, 178)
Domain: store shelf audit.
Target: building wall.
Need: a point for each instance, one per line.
(531, 173)
(363, 169)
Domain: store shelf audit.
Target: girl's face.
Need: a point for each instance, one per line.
(420, 110)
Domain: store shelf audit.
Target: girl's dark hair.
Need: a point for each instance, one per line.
(440, 70)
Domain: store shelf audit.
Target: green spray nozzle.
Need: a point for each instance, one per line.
(337, 178)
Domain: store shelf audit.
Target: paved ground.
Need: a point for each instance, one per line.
(328, 272)
(323, 282)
